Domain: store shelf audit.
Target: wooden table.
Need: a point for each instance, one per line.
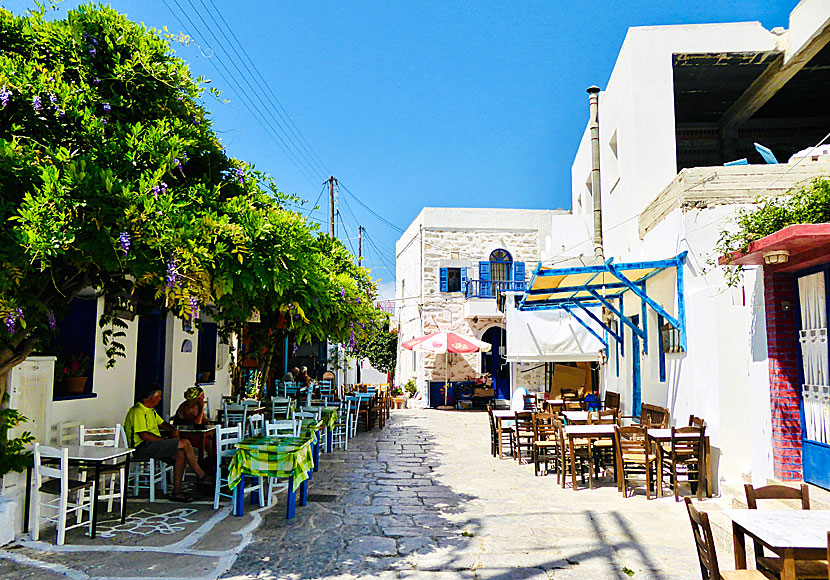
(554, 405)
(498, 417)
(575, 417)
(661, 436)
(791, 534)
(198, 437)
(95, 457)
(589, 432)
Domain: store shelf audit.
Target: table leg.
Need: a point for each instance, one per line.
(125, 476)
(498, 428)
(317, 451)
(659, 477)
(304, 491)
(590, 465)
(739, 542)
(707, 467)
(202, 446)
(28, 501)
(329, 440)
(95, 491)
(239, 498)
(788, 565)
(573, 463)
(292, 499)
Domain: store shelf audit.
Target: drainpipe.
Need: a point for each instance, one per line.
(593, 124)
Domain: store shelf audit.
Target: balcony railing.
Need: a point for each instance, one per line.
(492, 288)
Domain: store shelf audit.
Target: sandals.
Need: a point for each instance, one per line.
(180, 497)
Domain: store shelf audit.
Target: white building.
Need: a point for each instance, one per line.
(452, 263)
(681, 101)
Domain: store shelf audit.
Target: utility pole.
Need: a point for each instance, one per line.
(331, 181)
(359, 244)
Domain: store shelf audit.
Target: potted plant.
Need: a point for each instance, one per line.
(75, 372)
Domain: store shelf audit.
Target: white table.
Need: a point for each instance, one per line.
(792, 535)
(575, 416)
(498, 417)
(94, 456)
(589, 432)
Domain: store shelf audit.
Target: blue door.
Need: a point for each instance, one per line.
(149, 367)
(812, 292)
(636, 395)
(495, 363)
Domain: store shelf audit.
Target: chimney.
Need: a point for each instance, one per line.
(593, 124)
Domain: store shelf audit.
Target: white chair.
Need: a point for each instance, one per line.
(66, 433)
(317, 411)
(54, 480)
(340, 431)
(226, 440)
(281, 408)
(234, 414)
(146, 473)
(352, 428)
(256, 425)
(105, 437)
(283, 428)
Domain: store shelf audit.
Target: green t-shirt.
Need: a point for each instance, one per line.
(140, 418)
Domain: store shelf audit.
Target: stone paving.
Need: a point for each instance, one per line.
(423, 498)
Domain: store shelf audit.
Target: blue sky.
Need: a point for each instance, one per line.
(413, 104)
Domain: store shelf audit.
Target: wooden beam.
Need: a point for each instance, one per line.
(774, 77)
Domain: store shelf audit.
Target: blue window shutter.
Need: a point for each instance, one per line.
(484, 270)
(464, 280)
(518, 271)
(443, 279)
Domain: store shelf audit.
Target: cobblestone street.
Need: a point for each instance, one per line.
(423, 498)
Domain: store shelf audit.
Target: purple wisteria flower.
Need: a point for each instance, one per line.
(342, 293)
(10, 321)
(352, 341)
(50, 319)
(179, 166)
(156, 190)
(61, 112)
(5, 95)
(36, 103)
(240, 175)
(107, 107)
(92, 51)
(103, 121)
(125, 242)
(53, 98)
(295, 348)
(173, 275)
(96, 81)
(194, 306)
(163, 187)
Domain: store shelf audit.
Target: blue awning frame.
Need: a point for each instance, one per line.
(568, 298)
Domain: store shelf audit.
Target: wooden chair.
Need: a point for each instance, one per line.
(687, 454)
(582, 455)
(545, 442)
(634, 455)
(530, 402)
(806, 569)
(524, 434)
(654, 416)
(506, 432)
(707, 556)
(603, 417)
(612, 400)
(696, 421)
(570, 400)
(603, 449)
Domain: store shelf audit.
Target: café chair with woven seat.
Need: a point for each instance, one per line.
(545, 442)
(105, 437)
(581, 457)
(686, 455)
(806, 569)
(226, 440)
(634, 456)
(52, 478)
(524, 435)
(707, 556)
(281, 408)
(340, 430)
(507, 435)
(612, 400)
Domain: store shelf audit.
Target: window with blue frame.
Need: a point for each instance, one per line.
(453, 279)
(500, 273)
(75, 339)
(501, 263)
(206, 355)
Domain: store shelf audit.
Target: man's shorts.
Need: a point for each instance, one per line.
(164, 450)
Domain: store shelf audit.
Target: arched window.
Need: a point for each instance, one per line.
(501, 263)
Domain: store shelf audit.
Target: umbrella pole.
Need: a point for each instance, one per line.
(446, 376)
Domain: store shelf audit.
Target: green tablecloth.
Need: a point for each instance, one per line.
(272, 457)
(310, 427)
(328, 416)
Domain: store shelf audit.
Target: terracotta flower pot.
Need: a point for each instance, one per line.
(75, 385)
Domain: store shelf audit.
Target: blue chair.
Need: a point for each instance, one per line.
(766, 153)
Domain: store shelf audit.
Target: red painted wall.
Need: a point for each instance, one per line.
(782, 344)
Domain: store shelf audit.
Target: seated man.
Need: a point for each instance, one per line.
(142, 425)
(192, 410)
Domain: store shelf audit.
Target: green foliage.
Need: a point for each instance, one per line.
(411, 387)
(379, 345)
(13, 453)
(111, 177)
(74, 365)
(807, 205)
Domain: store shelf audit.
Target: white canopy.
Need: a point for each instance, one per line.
(550, 335)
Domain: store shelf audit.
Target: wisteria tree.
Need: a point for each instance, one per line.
(112, 178)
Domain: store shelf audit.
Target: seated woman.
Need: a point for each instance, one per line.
(192, 410)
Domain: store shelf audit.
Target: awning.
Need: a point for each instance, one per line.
(795, 247)
(581, 290)
(549, 336)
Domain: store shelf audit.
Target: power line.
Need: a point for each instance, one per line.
(345, 231)
(317, 201)
(371, 211)
(247, 102)
(290, 123)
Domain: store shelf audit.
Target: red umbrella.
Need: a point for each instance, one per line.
(446, 342)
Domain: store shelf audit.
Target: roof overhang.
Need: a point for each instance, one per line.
(807, 245)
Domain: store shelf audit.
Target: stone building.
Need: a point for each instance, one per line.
(452, 263)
